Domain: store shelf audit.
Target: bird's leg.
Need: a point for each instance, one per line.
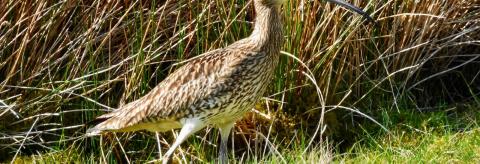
(224, 133)
(189, 127)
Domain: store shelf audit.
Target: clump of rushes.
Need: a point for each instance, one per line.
(63, 63)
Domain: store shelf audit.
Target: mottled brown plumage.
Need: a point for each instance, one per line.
(216, 88)
(234, 77)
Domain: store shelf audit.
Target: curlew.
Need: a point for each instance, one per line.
(214, 89)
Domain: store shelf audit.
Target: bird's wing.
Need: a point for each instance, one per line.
(201, 84)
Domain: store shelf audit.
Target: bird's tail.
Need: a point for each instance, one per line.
(93, 132)
(119, 120)
(97, 129)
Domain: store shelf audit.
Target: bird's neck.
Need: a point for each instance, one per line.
(268, 31)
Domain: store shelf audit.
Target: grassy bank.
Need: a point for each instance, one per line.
(64, 63)
(438, 137)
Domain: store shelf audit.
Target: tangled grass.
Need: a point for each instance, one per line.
(64, 62)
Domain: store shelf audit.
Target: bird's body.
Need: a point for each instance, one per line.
(216, 88)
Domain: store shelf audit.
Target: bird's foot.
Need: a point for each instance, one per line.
(222, 159)
(165, 159)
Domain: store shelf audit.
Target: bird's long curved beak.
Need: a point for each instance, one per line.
(353, 8)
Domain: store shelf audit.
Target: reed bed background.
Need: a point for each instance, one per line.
(62, 63)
